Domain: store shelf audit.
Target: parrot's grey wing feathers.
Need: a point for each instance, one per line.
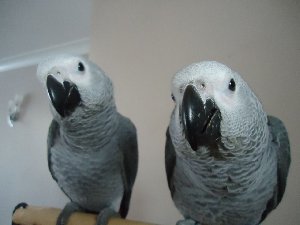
(280, 138)
(170, 160)
(128, 145)
(281, 142)
(52, 135)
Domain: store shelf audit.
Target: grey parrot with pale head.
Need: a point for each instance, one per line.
(92, 149)
(227, 161)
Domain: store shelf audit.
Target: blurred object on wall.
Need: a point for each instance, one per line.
(15, 108)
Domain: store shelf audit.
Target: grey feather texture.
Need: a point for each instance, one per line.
(237, 172)
(92, 149)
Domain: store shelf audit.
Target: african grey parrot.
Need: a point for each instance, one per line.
(226, 161)
(92, 149)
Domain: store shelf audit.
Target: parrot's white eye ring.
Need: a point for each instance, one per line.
(81, 67)
(231, 85)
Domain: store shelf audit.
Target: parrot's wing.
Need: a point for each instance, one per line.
(52, 136)
(129, 148)
(281, 140)
(170, 160)
(281, 144)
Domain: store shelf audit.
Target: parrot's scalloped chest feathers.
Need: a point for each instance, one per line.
(81, 175)
(223, 193)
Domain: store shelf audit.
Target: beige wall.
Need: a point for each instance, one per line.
(141, 44)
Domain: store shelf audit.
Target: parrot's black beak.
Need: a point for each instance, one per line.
(64, 97)
(201, 121)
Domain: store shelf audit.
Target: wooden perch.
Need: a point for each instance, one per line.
(33, 215)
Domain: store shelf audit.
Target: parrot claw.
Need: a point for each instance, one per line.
(65, 214)
(105, 215)
(187, 222)
(20, 205)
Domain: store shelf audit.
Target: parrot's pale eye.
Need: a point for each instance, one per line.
(173, 97)
(80, 67)
(231, 85)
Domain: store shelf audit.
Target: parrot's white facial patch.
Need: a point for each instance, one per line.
(65, 67)
(212, 80)
(89, 79)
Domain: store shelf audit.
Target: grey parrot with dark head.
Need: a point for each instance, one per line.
(227, 161)
(92, 149)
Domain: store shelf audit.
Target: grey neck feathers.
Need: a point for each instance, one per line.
(89, 130)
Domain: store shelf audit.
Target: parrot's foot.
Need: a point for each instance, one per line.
(20, 205)
(65, 214)
(105, 215)
(187, 222)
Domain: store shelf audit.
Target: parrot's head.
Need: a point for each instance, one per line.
(74, 82)
(215, 110)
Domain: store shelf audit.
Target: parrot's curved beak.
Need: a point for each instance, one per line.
(64, 97)
(201, 121)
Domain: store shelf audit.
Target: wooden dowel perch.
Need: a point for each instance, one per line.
(33, 215)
